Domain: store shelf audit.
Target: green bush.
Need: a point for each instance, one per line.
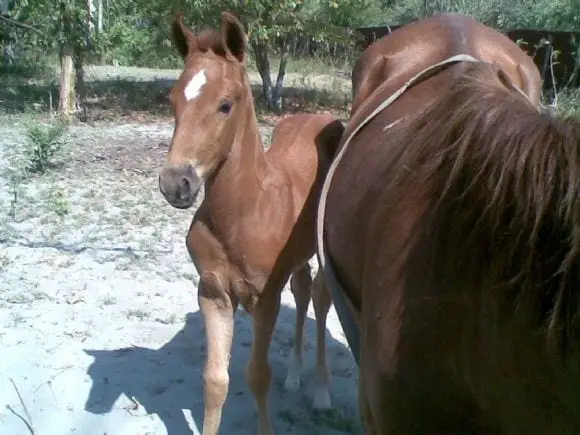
(42, 143)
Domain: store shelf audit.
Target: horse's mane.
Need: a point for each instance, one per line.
(504, 182)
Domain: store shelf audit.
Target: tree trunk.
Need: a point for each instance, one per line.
(263, 65)
(8, 48)
(99, 16)
(79, 89)
(272, 95)
(277, 94)
(91, 17)
(102, 54)
(67, 99)
(574, 79)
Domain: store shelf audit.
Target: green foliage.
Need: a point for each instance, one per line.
(509, 14)
(43, 142)
(351, 14)
(543, 14)
(58, 202)
(137, 32)
(569, 103)
(57, 22)
(28, 69)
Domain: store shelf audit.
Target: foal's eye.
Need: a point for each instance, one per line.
(225, 107)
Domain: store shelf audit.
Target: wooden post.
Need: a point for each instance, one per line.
(67, 95)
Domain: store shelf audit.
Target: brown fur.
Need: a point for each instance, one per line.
(525, 174)
(396, 57)
(455, 236)
(255, 226)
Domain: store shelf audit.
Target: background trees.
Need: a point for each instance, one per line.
(135, 32)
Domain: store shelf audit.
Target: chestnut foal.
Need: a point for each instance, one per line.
(256, 225)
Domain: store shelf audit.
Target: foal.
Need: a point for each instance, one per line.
(255, 226)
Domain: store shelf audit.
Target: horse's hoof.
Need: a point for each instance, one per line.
(292, 384)
(321, 400)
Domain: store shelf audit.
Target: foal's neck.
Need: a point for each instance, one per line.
(247, 158)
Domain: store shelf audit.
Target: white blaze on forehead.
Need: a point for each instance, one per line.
(193, 88)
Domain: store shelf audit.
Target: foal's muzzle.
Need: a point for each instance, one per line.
(179, 185)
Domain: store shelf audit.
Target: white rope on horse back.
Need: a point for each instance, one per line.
(338, 296)
(335, 288)
(375, 112)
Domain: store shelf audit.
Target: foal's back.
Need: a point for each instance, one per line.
(302, 167)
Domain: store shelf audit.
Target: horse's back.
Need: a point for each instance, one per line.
(407, 51)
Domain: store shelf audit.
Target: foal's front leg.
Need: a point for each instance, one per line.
(258, 371)
(218, 310)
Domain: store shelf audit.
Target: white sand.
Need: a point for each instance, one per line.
(100, 330)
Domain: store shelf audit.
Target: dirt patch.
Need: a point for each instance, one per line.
(99, 322)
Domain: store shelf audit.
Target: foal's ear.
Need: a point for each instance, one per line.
(183, 38)
(234, 36)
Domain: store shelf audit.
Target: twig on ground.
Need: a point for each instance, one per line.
(28, 422)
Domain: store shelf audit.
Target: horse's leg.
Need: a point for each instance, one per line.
(258, 371)
(300, 284)
(218, 310)
(321, 299)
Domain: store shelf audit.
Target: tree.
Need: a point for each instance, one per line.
(61, 25)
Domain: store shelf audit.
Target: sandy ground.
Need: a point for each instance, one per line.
(100, 330)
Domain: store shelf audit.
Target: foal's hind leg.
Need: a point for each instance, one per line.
(300, 284)
(258, 371)
(321, 300)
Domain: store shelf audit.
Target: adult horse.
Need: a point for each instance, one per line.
(256, 225)
(449, 231)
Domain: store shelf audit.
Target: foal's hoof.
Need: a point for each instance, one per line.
(292, 384)
(321, 400)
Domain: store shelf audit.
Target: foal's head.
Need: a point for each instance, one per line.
(208, 99)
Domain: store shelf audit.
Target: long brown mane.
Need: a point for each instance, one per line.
(505, 219)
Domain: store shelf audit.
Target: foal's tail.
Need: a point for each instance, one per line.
(331, 135)
(505, 180)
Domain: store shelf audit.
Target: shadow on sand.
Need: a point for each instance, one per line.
(168, 380)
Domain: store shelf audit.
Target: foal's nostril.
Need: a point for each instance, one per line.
(184, 189)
